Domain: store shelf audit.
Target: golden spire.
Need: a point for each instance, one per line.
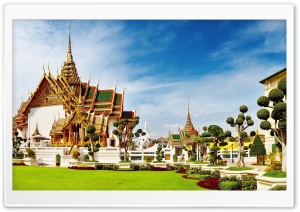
(69, 54)
(189, 117)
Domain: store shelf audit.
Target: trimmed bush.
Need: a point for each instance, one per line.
(203, 177)
(228, 185)
(278, 188)
(248, 183)
(193, 176)
(215, 174)
(205, 172)
(231, 178)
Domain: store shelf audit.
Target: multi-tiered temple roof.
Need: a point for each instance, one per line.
(185, 135)
(82, 102)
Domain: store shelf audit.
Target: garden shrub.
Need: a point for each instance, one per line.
(203, 177)
(276, 174)
(99, 167)
(229, 185)
(135, 167)
(196, 170)
(144, 168)
(278, 188)
(179, 167)
(106, 167)
(170, 167)
(86, 158)
(231, 178)
(30, 153)
(193, 176)
(215, 174)
(190, 172)
(175, 158)
(248, 183)
(205, 172)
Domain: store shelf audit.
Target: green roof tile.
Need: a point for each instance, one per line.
(104, 96)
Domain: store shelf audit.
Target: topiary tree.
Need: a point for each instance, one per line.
(16, 145)
(91, 141)
(216, 135)
(159, 154)
(240, 124)
(124, 132)
(276, 104)
(202, 141)
(257, 148)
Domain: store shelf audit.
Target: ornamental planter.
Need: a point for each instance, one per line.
(30, 162)
(238, 174)
(214, 168)
(193, 165)
(124, 165)
(159, 165)
(265, 183)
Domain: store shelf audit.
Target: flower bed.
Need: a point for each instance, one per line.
(210, 183)
(158, 169)
(82, 168)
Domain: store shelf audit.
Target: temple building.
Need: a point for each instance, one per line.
(184, 137)
(61, 107)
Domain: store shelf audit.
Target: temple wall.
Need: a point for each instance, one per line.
(110, 129)
(44, 117)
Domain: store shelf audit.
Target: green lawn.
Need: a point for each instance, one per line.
(58, 178)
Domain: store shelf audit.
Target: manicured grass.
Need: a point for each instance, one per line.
(58, 178)
(276, 174)
(241, 168)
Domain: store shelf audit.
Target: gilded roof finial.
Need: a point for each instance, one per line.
(98, 82)
(44, 69)
(69, 54)
(48, 68)
(124, 89)
(90, 77)
(189, 117)
(117, 83)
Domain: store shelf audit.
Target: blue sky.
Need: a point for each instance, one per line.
(217, 64)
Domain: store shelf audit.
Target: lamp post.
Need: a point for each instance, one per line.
(232, 153)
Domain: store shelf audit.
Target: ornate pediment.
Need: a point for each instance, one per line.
(45, 96)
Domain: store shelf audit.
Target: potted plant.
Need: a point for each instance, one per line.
(57, 159)
(75, 154)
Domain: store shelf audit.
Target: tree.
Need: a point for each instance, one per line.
(217, 136)
(16, 145)
(240, 124)
(92, 141)
(124, 132)
(159, 154)
(278, 114)
(202, 141)
(257, 148)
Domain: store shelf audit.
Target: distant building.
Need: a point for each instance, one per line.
(184, 137)
(270, 83)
